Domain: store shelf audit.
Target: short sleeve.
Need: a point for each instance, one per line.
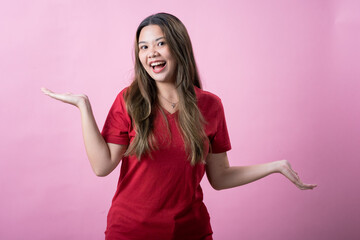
(117, 124)
(220, 141)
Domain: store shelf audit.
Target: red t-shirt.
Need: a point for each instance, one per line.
(160, 198)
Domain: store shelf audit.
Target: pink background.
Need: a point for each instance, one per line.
(287, 72)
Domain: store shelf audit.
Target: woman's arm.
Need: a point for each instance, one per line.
(103, 157)
(222, 176)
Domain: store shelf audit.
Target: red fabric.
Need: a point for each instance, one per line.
(160, 197)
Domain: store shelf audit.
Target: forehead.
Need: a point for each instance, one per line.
(150, 33)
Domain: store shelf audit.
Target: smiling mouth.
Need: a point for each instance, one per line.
(158, 66)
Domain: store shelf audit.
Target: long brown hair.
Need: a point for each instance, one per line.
(141, 97)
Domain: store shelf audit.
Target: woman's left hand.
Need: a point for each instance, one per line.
(284, 167)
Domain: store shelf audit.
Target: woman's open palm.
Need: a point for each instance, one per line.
(287, 171)
(73, 99)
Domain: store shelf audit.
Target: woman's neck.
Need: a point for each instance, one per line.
(168, 91)
(167, 96)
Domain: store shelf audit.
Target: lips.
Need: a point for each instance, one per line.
(157, 66)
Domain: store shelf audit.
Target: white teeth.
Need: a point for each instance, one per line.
(157, 63)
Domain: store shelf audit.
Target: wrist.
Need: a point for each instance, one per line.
(280, 166)
(84, 104)
(275, 167)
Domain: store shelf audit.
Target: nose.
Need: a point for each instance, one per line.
(153, 54)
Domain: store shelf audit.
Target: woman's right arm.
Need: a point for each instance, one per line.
(103, 157)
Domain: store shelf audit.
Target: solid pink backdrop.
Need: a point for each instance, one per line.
(286, 71)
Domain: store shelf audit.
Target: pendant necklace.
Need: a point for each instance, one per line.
(173, 105)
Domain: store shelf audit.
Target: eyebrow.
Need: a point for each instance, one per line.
(155, 40)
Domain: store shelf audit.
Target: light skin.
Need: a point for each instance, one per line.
(222, 176)
(153, 47)
(104, 157)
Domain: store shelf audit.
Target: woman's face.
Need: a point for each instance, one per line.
(155, 54)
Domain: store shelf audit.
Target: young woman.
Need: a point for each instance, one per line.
(167, 132)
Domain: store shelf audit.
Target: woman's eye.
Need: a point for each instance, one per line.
(143, 47)
(161, 43)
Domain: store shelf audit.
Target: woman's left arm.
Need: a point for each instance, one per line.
(222, 176)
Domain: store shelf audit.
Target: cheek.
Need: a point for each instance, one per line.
(173, 63)
(171, 58)
(143, 61)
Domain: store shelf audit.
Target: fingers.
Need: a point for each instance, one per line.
(57, 96)
(308, 186)
(302, 185)
(73, 99)
(50, 93)
(45, 90)
(294, 178)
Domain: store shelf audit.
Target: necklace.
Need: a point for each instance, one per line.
(173, 105)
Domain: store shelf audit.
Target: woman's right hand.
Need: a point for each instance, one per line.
(103, 157)
(74, 99)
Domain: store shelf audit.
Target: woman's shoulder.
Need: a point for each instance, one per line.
(124, 90)
(121, 94)
(206, 97)
(120, 97)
